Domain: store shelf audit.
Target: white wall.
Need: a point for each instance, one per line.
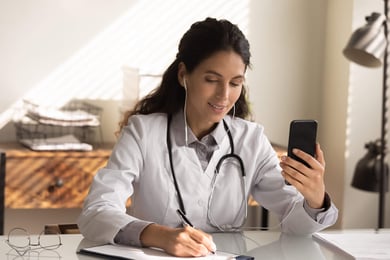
(334, 99)
(298, 69)
(287, 39)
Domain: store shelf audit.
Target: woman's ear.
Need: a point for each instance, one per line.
(181, 73)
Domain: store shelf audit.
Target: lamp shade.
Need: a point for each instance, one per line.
(367, 171)
(368, 43)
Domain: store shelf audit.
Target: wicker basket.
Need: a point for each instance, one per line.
(77, 119)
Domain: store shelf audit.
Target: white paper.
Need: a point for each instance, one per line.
(360, 245)
(61, 143)
(127, 252)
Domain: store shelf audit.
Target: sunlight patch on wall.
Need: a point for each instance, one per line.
(146, 38)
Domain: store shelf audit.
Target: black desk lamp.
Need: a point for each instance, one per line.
(368, 172)
(366, 47)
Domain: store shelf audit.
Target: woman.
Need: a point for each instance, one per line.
(172, 142)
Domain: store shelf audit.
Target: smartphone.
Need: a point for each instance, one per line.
(303, 135)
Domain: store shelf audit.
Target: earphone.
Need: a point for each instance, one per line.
(184, 83)
(185, 112)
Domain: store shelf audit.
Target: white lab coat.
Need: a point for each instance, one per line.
(139, 167)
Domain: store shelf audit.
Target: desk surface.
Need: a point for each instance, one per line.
(260, 244)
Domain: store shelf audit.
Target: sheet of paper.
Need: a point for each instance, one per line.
(127, 252)
(360, 245)
(60, 143)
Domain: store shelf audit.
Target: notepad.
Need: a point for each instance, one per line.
(128, 252)
(359, 244)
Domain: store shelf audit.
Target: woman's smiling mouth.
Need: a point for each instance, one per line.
(217, 107)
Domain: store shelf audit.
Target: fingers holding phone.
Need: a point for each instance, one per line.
(304, 166)
(303, 160)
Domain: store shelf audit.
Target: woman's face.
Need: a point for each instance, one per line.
(213, 87)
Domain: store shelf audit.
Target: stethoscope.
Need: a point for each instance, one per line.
(210, 217)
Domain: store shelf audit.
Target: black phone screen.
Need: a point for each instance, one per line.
(303, 134)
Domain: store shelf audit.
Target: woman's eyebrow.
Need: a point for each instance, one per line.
(220, 75)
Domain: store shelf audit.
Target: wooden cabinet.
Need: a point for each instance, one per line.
(50, 179)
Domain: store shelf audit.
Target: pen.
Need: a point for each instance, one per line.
(185, 221)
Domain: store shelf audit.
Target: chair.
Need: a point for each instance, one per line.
(61, 229)
(264, 214)
(264, 218)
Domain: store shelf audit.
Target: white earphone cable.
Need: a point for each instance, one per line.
(185, 114)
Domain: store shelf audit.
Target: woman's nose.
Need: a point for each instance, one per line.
(223, 91)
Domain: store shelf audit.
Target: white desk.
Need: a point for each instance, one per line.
(260, 244)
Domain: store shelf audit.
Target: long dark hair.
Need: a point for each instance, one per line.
(202, 40)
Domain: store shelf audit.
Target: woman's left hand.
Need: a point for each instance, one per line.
(309, 181)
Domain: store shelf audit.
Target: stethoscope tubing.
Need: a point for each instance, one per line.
(216, 172)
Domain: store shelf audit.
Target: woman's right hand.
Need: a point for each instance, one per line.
(185, 241)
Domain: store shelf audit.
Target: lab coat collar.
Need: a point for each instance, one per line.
(177, 128)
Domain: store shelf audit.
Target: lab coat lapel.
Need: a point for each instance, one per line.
(224, 148)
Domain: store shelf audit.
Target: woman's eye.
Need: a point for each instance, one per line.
(211, 80)
(235, 84)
